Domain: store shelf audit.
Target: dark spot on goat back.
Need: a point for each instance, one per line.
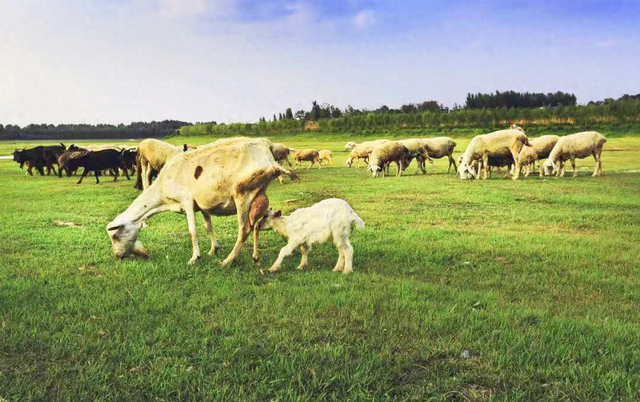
(198, 172)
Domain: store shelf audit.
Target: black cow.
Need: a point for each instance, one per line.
(97, 161)
(128, 157)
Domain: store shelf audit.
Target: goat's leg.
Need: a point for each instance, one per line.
(259, 208)
(126, 172)
(191, 222)
(304, 251)
(97, 173)
(347, 251)
(319, 163)
(485, 166)
(116, 171)
(573, 165)
(84, 174)
(209, 227)
(516, 167)
(285, 251)
(340, 264)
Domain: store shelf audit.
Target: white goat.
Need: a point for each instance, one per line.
(330, 219)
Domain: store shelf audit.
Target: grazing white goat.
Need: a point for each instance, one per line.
(227, 177)
(330, 219)
(383, 155)
(326, 155)
(152, 156)
(570, 147)
(499, 144)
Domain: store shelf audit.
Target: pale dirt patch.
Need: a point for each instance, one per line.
(65, 224)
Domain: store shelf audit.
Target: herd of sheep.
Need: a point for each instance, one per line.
(231, 177)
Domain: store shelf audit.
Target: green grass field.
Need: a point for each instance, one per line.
(538, 279)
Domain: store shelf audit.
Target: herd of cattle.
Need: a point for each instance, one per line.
(231, 177)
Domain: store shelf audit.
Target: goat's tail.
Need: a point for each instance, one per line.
(357, 221)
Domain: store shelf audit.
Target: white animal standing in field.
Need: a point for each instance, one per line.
(540, 149)
(330, 219)
(501, 144)
(362, 151)
(326, 155)
(349, 145)
(227, 177)
(439, 147)
(383, 155)
(310, 155)
(152, 156)
(570, 147)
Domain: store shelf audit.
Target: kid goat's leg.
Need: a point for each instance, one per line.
(285, 251)
(209, 227)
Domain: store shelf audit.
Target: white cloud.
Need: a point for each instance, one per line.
(606, 42)
(364, 19)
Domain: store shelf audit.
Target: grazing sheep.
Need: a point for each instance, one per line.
(570, 147)
(330, 219)
(349, 145)
(383, 155)
(326, 155)
(362, 151)
(227, 177)
(311, 155)
(417, 151)
(281, 153)
(540, 149)
(439, 147)
(499, 144)
(152, 156)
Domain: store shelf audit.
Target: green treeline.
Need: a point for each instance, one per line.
(621, 115)
(82, 131)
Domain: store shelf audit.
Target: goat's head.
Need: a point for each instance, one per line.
(349, 162)
(124, 239)
(266, 222)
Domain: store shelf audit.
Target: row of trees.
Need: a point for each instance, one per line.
(78, 131)
(625, 110)
(518, 100)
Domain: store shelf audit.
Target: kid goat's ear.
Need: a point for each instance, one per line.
(277, 214)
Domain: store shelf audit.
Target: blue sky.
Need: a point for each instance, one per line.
(112, 61)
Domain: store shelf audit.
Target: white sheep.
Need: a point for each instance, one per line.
(540, 149)
(330, 219)
(439, 147)
(389, 152)
(570, 147)
(499, 144)
(417, 149)
(326, 155)
(362, 151)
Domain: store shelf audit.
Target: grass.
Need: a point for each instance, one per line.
(537, 279)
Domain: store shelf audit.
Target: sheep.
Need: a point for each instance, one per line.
(349, 145)
(227, 177)
(540, 149)
(326, 155)
(570, 147)
(499, 144)
(311, 155)
(516, 127)
(281, 153)
(383, 155)
(362, 151)
(330, 219)
(152, 156)
(417, 150)
(439, 147)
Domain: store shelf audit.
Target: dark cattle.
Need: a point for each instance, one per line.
(39, 158)
(97, 161)
(128, 157)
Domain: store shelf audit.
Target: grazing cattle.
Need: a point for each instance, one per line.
(227, 177)
(97, 161)
(68, 161)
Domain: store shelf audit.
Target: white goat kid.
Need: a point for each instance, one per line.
(330, 219)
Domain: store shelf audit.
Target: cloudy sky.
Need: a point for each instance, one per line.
(112, 61)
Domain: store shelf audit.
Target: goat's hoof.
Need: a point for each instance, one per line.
(345, 272)
(213, 251)
(193, 260)
(256, 259)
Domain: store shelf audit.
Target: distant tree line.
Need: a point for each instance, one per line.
(80, 131)
(518, 100)
(432, 116)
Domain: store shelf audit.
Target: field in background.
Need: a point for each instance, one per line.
(537, 279)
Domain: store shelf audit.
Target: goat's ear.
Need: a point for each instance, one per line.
(184, 148)
(277, 214)
(63, 146)
(115, 227)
